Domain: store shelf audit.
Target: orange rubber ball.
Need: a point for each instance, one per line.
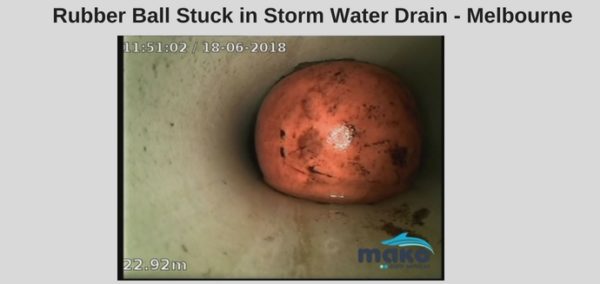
(339, 132)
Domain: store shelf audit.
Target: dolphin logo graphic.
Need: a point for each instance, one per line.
(403, 240)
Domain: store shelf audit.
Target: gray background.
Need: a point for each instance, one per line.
(521, 139)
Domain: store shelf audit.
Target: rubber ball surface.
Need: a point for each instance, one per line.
(339, 132)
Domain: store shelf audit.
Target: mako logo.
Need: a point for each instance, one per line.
(404, 252)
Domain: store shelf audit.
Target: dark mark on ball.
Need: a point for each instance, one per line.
(399, 155)
(313, 169)
(310, 144)
(282, 152)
